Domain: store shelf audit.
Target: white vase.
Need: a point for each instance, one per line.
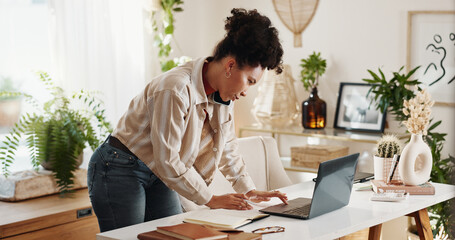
(415, 161)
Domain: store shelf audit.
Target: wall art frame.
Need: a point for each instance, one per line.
(354, 112)
(431, 45)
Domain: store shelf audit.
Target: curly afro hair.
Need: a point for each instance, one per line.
(251, 40)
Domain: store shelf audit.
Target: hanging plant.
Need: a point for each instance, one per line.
(164, 33)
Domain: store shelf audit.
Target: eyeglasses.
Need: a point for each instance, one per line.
(267, 230)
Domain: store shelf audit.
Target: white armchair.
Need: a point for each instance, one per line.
(263, 164)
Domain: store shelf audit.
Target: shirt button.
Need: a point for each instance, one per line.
(215, 149)
(215, 130)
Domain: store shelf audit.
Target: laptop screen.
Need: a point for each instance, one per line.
(333, 184)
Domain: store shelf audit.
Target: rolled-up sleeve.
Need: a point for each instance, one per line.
(232, 164)
(167, 111)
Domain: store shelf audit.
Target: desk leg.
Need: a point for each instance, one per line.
(375, 232)
(423, 224)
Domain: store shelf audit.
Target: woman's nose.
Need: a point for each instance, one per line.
(243, 94)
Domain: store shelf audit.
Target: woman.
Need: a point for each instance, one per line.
(179, 129)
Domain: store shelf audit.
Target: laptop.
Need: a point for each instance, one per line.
(332, 191)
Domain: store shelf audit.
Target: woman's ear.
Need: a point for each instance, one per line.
(230, 63)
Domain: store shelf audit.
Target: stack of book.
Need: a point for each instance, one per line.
(422, 189)
(191, 231)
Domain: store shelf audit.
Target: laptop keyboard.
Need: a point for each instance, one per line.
(299, 211)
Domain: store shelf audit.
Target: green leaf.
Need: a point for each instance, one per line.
(169, 29)
(434, 125)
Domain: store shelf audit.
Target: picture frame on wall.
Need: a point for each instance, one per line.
(354, 111)
(431, 45)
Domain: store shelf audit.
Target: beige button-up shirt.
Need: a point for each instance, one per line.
(163, 127)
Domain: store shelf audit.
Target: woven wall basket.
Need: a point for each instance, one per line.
(296, 15)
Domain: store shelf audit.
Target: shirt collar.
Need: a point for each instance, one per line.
(197, 82)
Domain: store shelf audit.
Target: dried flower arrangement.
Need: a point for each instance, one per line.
(418, 110)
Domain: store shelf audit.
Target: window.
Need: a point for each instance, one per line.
(24, 49)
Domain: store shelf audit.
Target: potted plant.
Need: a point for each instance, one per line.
(10, 105)
(387, 147)
(314, 109)
(389, 96)
(57, 133)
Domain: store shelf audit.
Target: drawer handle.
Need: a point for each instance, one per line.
(84, 212)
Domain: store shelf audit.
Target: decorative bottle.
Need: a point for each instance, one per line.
(314, 111)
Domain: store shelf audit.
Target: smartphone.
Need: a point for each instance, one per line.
(217, 99)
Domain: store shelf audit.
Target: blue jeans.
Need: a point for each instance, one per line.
(124, 191)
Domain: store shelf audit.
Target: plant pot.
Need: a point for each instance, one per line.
(314, 111)
(382, 168)
(9, 112)
(416, 161)
(47, 165)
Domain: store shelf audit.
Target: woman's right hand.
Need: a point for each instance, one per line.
(229, 201)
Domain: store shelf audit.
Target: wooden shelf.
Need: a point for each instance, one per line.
(50, 217)
(326, 133)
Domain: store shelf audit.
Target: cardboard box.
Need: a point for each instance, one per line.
(311, 156)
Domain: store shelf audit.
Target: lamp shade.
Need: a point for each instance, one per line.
(296, 15)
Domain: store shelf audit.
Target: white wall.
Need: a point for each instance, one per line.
(353, 35)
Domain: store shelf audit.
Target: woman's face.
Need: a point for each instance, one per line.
(240, 80)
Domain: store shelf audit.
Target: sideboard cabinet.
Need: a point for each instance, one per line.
(49, 217)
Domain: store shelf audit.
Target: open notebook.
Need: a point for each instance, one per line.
(224, 218)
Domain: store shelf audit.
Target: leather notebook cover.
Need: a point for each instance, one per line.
(154, 235)
(191, 231)
(244, 236)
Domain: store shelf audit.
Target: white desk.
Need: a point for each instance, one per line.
(359, 214)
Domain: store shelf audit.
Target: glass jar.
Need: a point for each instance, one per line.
(314, 111)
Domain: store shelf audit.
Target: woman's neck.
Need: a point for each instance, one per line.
(212, 74)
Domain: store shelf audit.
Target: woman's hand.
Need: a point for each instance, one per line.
(260, 196)
(229, 201)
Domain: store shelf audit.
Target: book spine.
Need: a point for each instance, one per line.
(411, 191)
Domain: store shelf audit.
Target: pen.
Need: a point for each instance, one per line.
(396, 159)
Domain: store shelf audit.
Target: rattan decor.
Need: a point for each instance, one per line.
(296, 15)
(311, 156)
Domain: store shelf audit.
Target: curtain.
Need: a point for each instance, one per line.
(98, 45)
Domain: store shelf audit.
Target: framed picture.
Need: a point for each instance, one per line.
(431, 45)
(354, 111)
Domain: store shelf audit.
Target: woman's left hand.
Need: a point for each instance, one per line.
(260, 196)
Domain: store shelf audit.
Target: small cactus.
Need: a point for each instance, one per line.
(388, 146)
